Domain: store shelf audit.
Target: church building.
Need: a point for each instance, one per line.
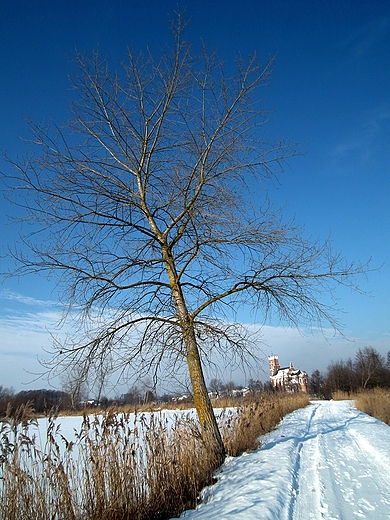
(287, 379)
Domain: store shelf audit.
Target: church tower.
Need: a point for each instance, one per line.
(273, 365)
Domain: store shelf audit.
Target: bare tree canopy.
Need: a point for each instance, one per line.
(371, 368)
(150, 205)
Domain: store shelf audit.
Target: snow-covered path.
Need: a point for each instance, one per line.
(326, 461)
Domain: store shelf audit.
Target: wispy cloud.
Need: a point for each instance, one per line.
(363, 40)
(366, 138)
(26, 325)
(7, 294)
(30, 322)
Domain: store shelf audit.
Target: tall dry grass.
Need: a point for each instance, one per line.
(340, 395)
(120, 466)
(375, 402)
(256, 415)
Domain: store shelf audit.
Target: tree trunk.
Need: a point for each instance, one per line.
(208, 423)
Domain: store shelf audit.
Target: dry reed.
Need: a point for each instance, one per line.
(261, 413)
(340, 395)
(375, 402)
(121, 466)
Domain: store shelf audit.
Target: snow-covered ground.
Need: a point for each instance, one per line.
(326, 461)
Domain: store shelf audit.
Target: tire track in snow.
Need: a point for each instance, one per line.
(315, 481)
(324, 462)
(297, 464)
(336, 472)
(309, 482)
(311, 479)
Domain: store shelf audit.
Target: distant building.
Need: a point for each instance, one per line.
(287, 379)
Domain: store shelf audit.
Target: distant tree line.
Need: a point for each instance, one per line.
(42, 399)
(220, 389)
(369, 369)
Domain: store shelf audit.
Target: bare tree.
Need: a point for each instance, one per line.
(102, 374)
(151, 207)
(255, 385)
(75, 384)
(316, 382)
(370, 367)
(132, 396)
(229, 387)
(215, 386)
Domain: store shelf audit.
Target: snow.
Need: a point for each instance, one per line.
(326, 461)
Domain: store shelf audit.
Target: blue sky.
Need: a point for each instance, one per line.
(330, 92)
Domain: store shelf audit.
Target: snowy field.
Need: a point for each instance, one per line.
(326, 461)
(69, 426)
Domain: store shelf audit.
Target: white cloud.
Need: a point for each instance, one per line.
(25, 326)
(25, 336)
(12, 296)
